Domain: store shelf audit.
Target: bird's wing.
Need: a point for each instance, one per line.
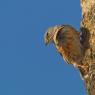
(68, 44)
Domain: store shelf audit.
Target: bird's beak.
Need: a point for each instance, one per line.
(46, 39)
(46, 42)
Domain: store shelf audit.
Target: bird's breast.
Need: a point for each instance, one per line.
(71, 54)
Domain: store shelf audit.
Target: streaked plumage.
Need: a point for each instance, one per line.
(67, 41)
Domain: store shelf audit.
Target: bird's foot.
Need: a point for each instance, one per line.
(80, 66)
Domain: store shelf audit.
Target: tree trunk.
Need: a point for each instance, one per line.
(88, 34)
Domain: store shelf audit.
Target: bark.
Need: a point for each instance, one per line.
(88, 35)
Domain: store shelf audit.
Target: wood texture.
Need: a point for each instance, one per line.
(88, 34)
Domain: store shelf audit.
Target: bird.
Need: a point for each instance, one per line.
(66, 39)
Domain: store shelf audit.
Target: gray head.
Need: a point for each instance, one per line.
(49, 35)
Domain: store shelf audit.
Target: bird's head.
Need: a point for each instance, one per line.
(49, 35)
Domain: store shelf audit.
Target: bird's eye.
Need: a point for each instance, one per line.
(47, 34)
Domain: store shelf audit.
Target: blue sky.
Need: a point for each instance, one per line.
(27, 66)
